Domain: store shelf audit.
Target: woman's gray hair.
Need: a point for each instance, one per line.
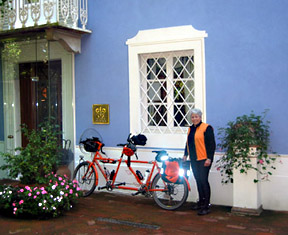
(195, 111)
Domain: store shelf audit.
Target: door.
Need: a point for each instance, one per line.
(40, 93)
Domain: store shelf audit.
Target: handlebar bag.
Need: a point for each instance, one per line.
(139, 139)
(91, 145)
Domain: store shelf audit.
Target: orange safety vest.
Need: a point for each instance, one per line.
(199, 141)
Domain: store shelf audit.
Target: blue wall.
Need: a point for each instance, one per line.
(246, 59)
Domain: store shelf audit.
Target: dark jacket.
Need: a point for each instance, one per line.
(209, 141)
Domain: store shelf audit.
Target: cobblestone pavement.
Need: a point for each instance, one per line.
(113, 213)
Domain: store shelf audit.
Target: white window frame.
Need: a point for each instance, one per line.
(182, 38)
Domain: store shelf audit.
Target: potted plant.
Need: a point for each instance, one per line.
(65, 158)
(245, 138)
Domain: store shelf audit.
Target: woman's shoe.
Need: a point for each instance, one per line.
(204, 211)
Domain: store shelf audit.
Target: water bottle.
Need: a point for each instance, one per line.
(139, 175)
(107, 172)
(112, 175)
(146, 176)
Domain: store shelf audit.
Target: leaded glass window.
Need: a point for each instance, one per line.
(167, 91)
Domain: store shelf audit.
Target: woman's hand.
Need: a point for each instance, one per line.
(207, 162)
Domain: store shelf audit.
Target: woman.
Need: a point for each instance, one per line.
(200, 148)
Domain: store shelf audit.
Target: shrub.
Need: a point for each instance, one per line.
(38, 158)
(57, 195)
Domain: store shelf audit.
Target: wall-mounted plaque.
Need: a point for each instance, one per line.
(100, 113)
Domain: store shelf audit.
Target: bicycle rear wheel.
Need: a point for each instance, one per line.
(86, 178)
(170, 196)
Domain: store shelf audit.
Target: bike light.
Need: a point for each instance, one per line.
(164, 158)
(181, 172)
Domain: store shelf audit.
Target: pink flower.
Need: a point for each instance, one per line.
(28, 188)
(44, 192)
(59, 178)
(62, 183)
(218, 168)
(67, 186)
(29, 194)
(35, 188)
(78, 189)
(14, 204)
(70, 191)
(21, 201)
(21, 190)
(35, 197)
(261, 161)
(66, 194)
(38, 193)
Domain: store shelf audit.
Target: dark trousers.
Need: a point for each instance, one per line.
(201, 174)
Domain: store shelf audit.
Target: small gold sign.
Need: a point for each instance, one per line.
(100, 113)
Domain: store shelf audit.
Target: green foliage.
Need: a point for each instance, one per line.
(57, 195)
(238, 139)
(2, 2)
(38, 158)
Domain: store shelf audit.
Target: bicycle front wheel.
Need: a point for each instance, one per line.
(169, 196)
(86, 178)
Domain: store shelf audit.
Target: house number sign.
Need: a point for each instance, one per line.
(100, 113)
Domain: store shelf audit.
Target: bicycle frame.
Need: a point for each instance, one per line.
(98, 157)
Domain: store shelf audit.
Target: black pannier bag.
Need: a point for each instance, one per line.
(139, 139)
(91, 145)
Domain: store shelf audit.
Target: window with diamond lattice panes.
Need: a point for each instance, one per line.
(167, 91)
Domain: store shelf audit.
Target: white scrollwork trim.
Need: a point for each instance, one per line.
(74, 12)
(23, 15)
(35, 12)
(65, 10)
(48, 8)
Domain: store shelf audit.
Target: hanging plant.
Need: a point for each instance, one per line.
(242, 139)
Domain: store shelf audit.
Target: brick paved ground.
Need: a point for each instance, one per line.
(110, 213)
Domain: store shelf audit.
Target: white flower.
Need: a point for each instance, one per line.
(51, 196)
(61, 193)
(44, 201)
(53, 187)
(10, 192)
(54, 208)
(39, 204)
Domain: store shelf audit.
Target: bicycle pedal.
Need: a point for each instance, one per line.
(134, 194)
(100, 188)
